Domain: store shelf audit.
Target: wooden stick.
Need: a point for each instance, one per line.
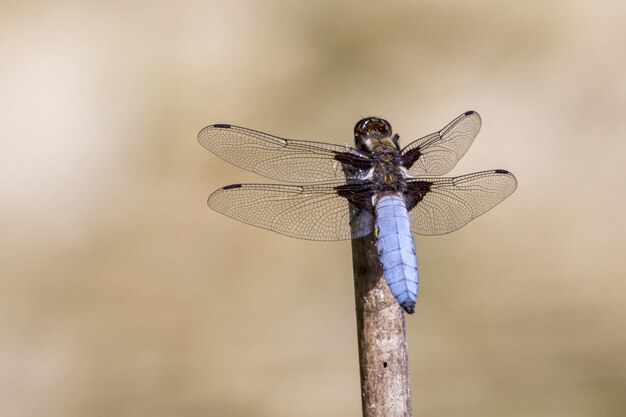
(383, 352)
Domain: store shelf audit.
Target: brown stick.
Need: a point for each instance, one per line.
(383, 352)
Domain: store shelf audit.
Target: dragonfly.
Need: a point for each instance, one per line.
(341, 192)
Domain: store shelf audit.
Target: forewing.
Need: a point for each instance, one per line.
(283, 159)
(438, 153)
(313, 212)
(442, 205)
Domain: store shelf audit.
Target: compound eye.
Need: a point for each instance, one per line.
(379, 128)
(361, 128)
(372, 126)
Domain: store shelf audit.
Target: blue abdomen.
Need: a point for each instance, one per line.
(396, 249)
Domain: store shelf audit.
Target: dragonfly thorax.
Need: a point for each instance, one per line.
(387, 173)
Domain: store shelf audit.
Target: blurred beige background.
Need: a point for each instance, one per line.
(122, 294)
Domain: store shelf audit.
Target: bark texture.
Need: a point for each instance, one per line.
(383, 354)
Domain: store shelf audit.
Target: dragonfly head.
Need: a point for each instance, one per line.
(374, 135)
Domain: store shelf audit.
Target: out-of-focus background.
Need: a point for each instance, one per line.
(122, 293)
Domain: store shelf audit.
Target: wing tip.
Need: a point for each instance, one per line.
(475, 115)
(203, 131)
(508, 174)
(216, 195)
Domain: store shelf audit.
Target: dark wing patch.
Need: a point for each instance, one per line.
(416, 191)
(359, 194)
(354, 166)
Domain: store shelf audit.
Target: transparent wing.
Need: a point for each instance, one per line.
(438, 153)
(442, 205)
(283, 159)
(313, 212)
